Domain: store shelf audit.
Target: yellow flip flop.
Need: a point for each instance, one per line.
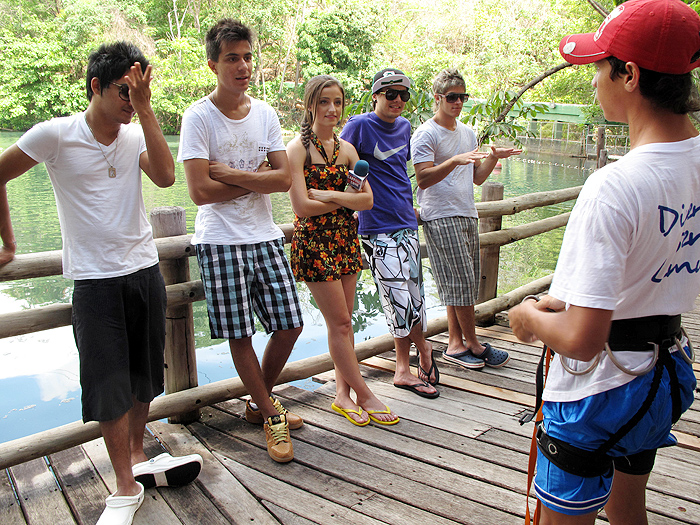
(347, 411)
(387, 410)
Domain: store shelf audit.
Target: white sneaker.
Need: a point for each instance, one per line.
(168, 471)
(120, 510)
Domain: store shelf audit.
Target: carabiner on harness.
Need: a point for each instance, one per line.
(642, 372)
(580, 372)
(690, 359)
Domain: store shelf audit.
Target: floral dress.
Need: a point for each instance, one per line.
(324, 247)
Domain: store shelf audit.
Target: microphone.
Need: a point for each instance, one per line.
(357, 177)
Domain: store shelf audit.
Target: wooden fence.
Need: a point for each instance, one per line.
(183, 397)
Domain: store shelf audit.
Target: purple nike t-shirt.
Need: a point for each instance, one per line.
(386, 147)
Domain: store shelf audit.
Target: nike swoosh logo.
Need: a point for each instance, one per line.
(383, 155)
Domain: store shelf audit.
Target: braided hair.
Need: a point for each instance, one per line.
(312, 92)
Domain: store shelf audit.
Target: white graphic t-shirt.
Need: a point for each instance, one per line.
(207, 133)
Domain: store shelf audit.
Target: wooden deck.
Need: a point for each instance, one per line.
(459, 459)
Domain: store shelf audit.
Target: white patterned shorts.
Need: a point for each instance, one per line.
(394, 260)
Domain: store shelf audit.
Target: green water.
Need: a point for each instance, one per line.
(39, 372)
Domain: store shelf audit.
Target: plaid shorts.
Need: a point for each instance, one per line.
(453, 249)
(394, 260)
(242, 279)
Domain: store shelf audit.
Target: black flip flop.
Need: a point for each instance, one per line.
(433, 366)
(414, 389)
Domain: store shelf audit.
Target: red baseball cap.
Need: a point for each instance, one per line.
(659, 35)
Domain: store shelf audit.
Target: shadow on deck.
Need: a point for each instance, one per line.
(459, 459)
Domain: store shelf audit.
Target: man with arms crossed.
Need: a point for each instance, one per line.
(626, 271)
(94, 159)
(389, 231)
(447, 165)
(226, 141)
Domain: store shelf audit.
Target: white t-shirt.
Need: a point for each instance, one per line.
(453, 196)
(207, 133)
(104, 226)
(632, 245)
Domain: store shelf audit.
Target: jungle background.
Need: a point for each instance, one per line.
(500, 48)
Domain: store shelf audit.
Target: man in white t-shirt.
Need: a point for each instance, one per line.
(231, 146)
(447, 164)
(94, 160)
(628, 268)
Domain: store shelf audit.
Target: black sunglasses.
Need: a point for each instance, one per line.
(391, 94)
(123, 91)
(452, 97)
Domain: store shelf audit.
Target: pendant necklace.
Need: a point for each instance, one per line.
(112, 171)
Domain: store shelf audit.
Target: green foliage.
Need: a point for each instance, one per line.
(43, 82)
(180, 77)
(483, 116)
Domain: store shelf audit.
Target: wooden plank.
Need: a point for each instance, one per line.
(154, 508)
(81, 484)
(322, 473)
(426, 443)
(39, 494)
(285, 517)
(463, 384)
(294, 500)
(10, 511)
(386, 459)
(230, 497)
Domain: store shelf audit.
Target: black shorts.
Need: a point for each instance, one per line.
(119, 328)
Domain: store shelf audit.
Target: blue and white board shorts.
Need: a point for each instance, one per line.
(587, 424)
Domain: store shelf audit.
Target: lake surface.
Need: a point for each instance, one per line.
(39, 387)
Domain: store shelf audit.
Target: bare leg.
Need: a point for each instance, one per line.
(138, 417)
(551, 517)
(403, 375)
(455, 343)
(116, 436)
(627, 503)
(464, 319)
(277, 351)
(248, 368)
(425, 351)
(336, 300)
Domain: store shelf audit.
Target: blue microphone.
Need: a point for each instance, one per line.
(357, 177)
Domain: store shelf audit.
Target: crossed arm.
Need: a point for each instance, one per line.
(309, 202)
(210, 182)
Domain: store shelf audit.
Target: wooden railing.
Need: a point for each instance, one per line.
(183, 397)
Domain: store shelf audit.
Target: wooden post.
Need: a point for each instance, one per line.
(602, 158)
(599, 144)
(180, 357)
(488, 285)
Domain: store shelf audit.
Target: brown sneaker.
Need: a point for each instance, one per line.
(279, 444)
(255, 416)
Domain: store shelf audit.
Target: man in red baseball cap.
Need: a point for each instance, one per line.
(628, 268)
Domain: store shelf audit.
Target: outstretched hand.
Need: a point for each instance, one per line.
(504, 153)
(139, 87)
(469, 157)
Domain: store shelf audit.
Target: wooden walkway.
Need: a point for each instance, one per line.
(459, 459)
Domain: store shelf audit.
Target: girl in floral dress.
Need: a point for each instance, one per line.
(325, 251)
